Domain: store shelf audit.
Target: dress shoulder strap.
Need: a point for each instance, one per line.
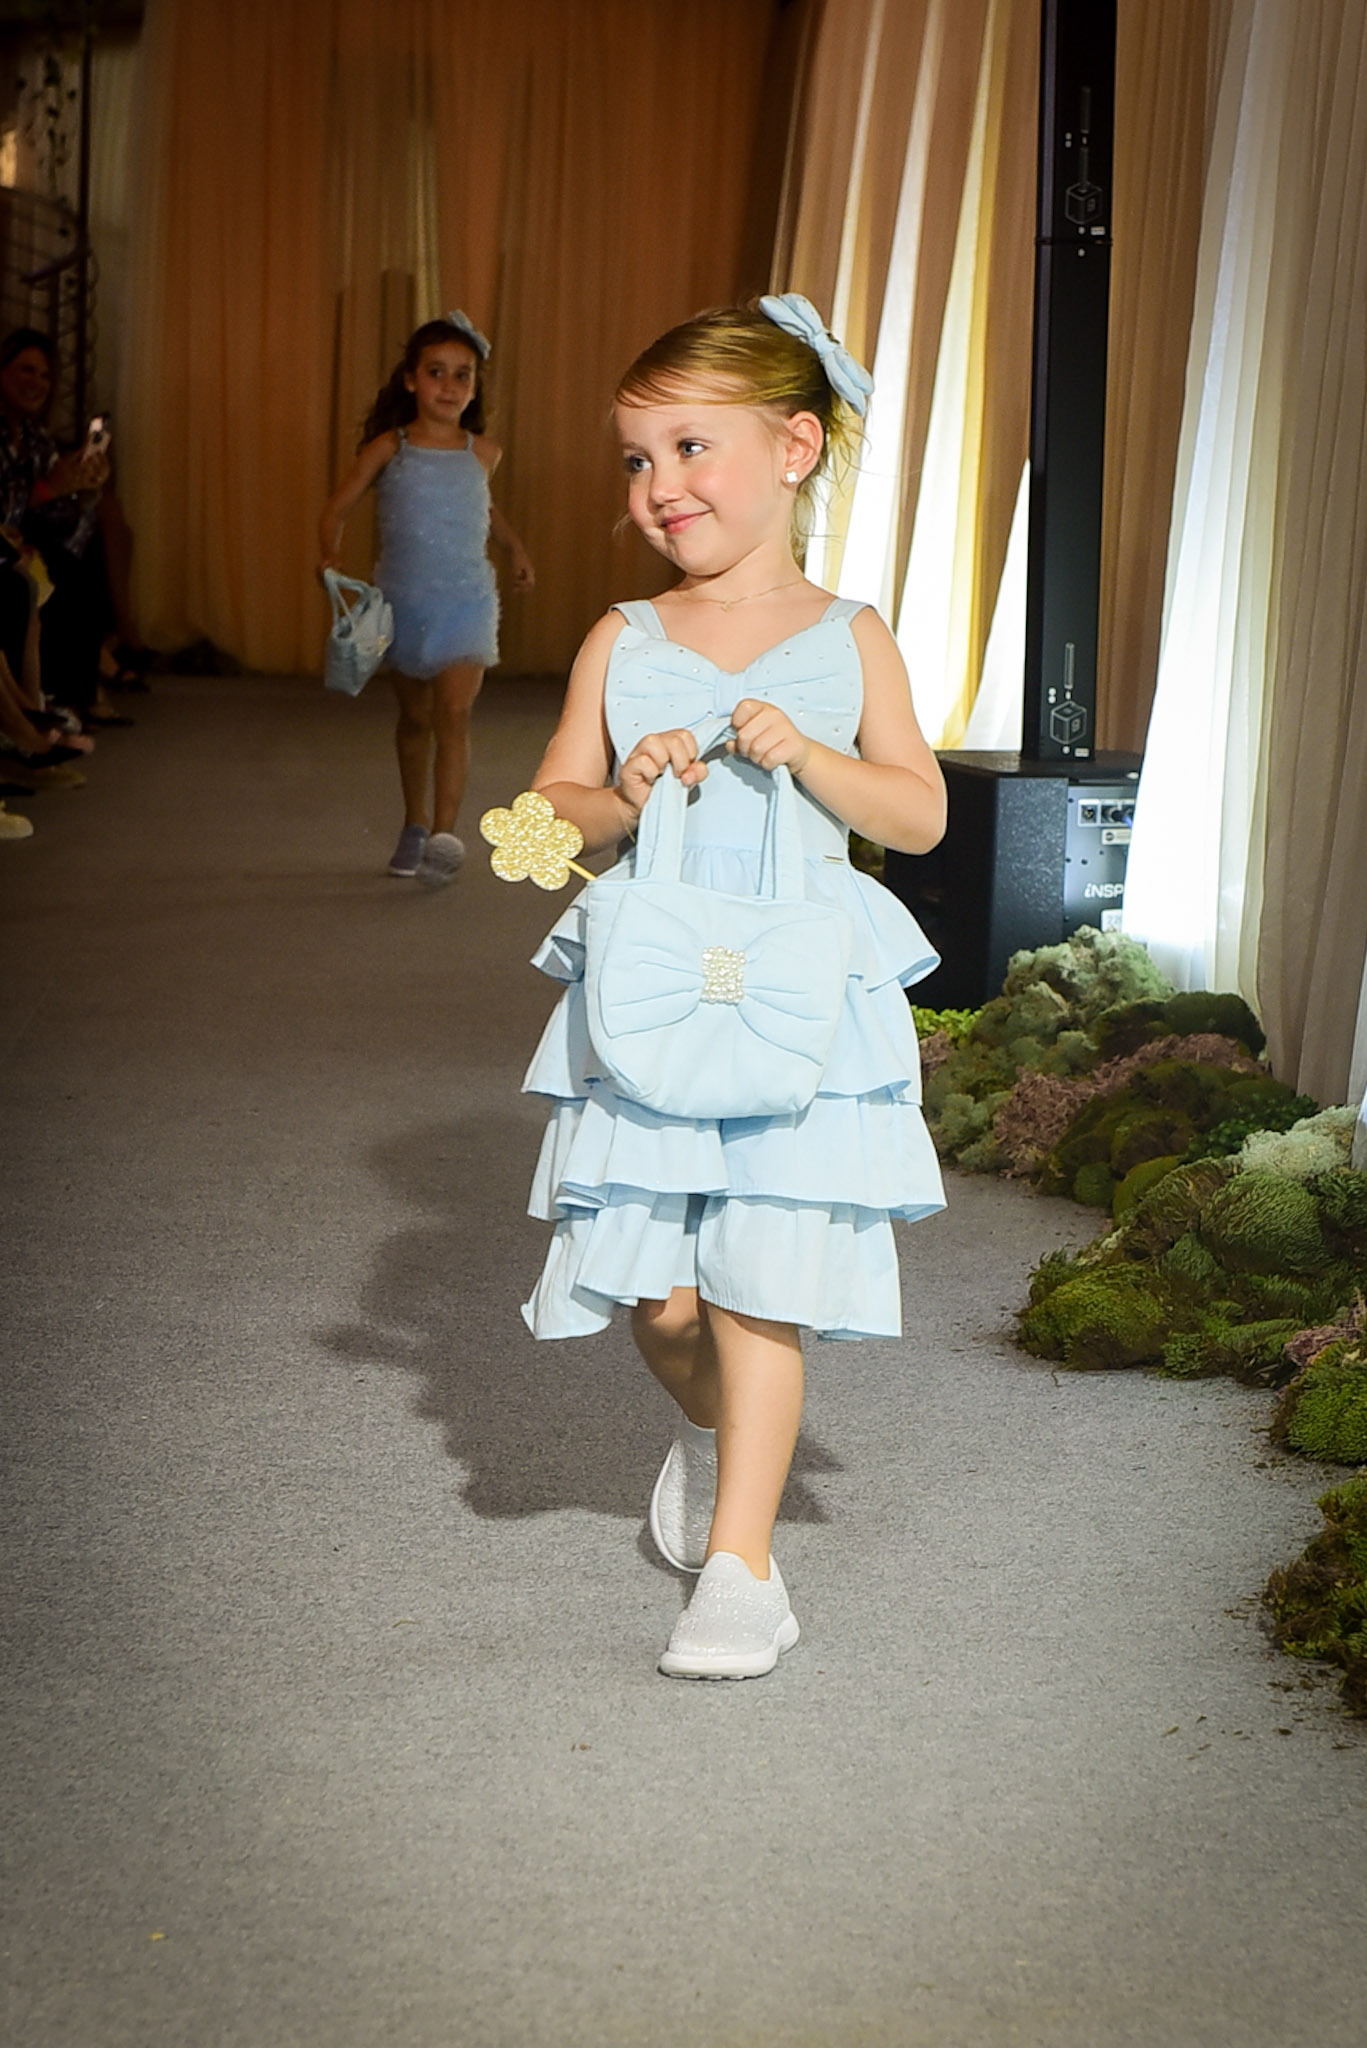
(641, 613)
(843, 607)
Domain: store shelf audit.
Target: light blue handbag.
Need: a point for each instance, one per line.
(362, 632)
(703, 1004)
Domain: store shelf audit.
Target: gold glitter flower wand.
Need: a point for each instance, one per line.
(531, 844)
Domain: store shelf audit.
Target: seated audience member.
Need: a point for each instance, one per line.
(49, 514)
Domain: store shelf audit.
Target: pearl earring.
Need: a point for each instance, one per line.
(790, 476)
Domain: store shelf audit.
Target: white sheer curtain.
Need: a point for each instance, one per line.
(1250, 848)
(1193, 885)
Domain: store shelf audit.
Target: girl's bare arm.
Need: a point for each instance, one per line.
(524, 576)
(349, 492)
(574, 768)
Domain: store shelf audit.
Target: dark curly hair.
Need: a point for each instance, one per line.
(395, 405)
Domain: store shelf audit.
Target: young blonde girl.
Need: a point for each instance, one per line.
(426, 452)
(728, 1239)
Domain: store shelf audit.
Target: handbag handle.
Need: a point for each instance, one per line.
(660, 829)
(336, 585)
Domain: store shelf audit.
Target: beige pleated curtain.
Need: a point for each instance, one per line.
(928, 108)
(313, 177)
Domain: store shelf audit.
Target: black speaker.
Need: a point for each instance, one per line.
(1032, 851)
(1068, 401)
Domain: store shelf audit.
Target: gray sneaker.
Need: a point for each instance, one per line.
(684, 1497)
(441, 856)
(406, 855)
(735, 1626)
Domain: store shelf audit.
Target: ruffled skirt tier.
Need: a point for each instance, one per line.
(786, 1218)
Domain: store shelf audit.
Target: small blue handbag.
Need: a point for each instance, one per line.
(362, 632)
(703, 1004)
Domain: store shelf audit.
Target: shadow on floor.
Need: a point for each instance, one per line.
(537, 1426)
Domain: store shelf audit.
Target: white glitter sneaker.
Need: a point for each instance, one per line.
(684, 1497)
(735, 1626)
(441, 856)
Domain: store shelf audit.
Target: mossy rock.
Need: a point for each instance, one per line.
(984, 1155)
(1189, 1269)
(1051, 1272)
(1086, 1142)
(1172, 1207)
(1035, 1012)
(971, 1070)
(1315, 1299)
(1072, 1052)
(1092, 970)
(958, 1122)
(1244, 1351)
(1124, 1027)
(1094, 1185)
(1201, 1010)
(1315, 1145)
(1342, 1197)
(1146, 1134)
(1138, 1181)
(1318, 1604)
(1197, 1089)
(1323, 1413)
(1099, 1322)
(1262, 1223)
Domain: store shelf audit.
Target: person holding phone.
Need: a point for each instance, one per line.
(49, 517)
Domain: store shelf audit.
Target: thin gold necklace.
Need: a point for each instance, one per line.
(728, 604)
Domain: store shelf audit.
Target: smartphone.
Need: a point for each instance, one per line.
(96, 435)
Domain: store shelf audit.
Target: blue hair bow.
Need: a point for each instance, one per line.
(479, 342)
(846, 377)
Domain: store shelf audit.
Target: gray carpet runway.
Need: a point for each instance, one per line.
(331, 1715)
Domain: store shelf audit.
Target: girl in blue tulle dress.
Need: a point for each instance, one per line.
(427, 454)
(728, 1238)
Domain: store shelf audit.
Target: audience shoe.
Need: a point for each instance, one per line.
(684, 1497)
(13, 824)
(406, 855)
(735, 1626)
(441, 856)
(63, 776)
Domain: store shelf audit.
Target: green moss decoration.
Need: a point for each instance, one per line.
(1145, 1134)
(1240, 1350)
(1092, 970)
(1138, 1181)
(1189, 1269)
(1317, 1144)
(1224, 1012)
(1323, 1413)
(1318, 1604)
(1171, 1207)
(956, 1024)
(1123, 1028)
(1099, 1322)
(1051, 1272)
(1261, 1223)
(1342, 1197)
(1094, 1185)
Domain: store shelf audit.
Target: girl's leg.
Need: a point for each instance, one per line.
(413, 744)
(675, 1340)
(759, 1382)
(453, 695)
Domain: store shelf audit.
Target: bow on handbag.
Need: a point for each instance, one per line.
(703, 1004)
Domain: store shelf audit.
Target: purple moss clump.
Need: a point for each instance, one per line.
(1318, 1604)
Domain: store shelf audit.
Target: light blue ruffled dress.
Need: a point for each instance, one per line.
(783, 1217)
(434, 562)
